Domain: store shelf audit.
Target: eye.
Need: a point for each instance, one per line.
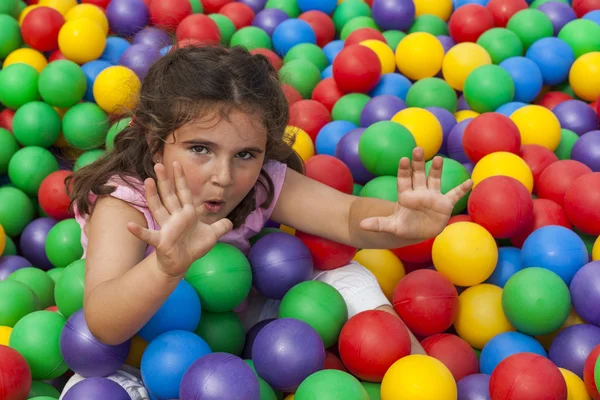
(199, 149)
(245, 155)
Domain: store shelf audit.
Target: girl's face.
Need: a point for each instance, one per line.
(221, 158)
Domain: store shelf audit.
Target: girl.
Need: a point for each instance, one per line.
(204, 160)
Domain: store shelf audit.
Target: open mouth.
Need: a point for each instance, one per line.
(214, 206)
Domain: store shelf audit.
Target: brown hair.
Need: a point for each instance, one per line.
(180, 87)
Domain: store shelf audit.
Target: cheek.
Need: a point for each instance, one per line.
(246, 179)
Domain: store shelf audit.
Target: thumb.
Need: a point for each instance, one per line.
(378, 224)
(221, 227)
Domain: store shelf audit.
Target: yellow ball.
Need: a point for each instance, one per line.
(386, 267)
(440, 8)
(596, 249)
(425, 128)
(419, 55)
(81, 40)
(5, 335)
(418, 377)
(584, 76)
(2, 240)
(461, 60)
(289, 397)
(138, 346)
(62, 6)
(575, 387)
(302, 143)
(480, 315)
(26, 56)
(61, 142)
(384, 53)
(465, 114)
(505, 164)
(288, 229)
(26, 11)
(116, 89)
(537, 125)
(465, 253)
(89, 11)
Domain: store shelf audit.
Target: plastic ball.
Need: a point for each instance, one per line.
(62, 84)
(572, 346)
(169, 14)
(527, 78)
(89, 11)
(582, 36)
(488, 87)
(356, 69)
(576, 116)
(290, 33)
(328, 384)
(92, 387)
(302, 75)
(390, 142)
(583, 292)
(530, 25)
(506, 344)
(432, 92)
(327, 254)
(489, 133)
(575, 385)
(559, 13)
(18, 85)
(116, 89)
(538, 158)
(384, 53)
(302, 143)
(467, 23)
(394, 14)
(589, 373)
(586, 150)
(62, 6)
(330, 135)
(29, 166)
(419, 55)
(27, 56)
(223, 332)
(62, 244)
(85, 126)
(81, 40)
(19, 300)
(69, 289)
(36, 124)
(139, 58)
(424, 127)
(331, 171)
(15, 374)
(584, 76)
(579, 199)
(386, 267)
(474, 387)
(505, 164)
(553, 57)
(596, 250)
(380, 108)
(115, 46)
(363, 34)
(199, 27)
(11, 35)
(40, 28)
(16, 210)
(454, 352)
(461, 60)
(38, 281)
(349, 108)
(501, 44)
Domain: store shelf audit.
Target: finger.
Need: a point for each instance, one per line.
(159, 212)
(148, 236)
(434, 179)
(221, 227)
(404, 176)
(183, 191)
(419, 177)
(165, 189)
(458, 192)
(378, 224)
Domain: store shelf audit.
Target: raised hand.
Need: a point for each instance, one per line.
(182, 237)
(422, 211)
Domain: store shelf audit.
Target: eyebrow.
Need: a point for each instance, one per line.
(208, 143)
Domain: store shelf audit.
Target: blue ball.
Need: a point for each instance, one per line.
(291, 32)
(509, 108)
(509, 263)
(504, 345)
(115, 47)
(329, 136)
(526, 76)
(394, 84)
(181, 311)
(327, 72)
(326, 6)
(166, 359)
(553, 57)
(555, 248)
(332, 49)
(91, 70)
(593, 16)
(460, 3)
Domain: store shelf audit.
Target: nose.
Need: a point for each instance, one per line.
(222, 173)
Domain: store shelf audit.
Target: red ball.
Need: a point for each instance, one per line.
(53, 197)
(468, 22)
(545, 212)
(538, 158)
(213, 6)
(199, 27)
(356, 69)
(291, 93)
(410, 267)
(327, 92)
(416, 253)
(552, 99)
(274, 59)
(588, 373)
(52, 308)
(502, 205)
(309, 115)
(370, 342)
(581, 203)
(454, 353)
(239, 13)
(6, 119)
(330, 171)
(327, 254)
(99, 3)
(363, 34)
(333, 362)
(168, 14)
(459, 218)
(322, 24)
(489, 133)
(597, 109)
(56, 55)
(527, 376)
(426, 301)
(40, 28)
(503, 10)
(15, 375)
(582, 7)
(557, 177)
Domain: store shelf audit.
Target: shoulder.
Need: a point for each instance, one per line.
(276, 171)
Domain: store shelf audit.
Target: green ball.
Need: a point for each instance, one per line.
(356, 189)
(383, 187)
(43, 398)
(582, 35)
(43, 390)
(536, 301)
(430, 24)
(266, 391)
(85, 126)
(432, 92)
(530, 25)
(251, 38)
(55, 274)
(9, 248)
(290, 7)
(62, 83)
(393, 38)
(8, 6)
(114, 131)
(197, 7)
(37, 337)
(10, 35)
(301, 75)
(382, 145)
(588, 240)
(36, 124)
(38, 281)
(348, 10)
(567, 141)
(349, 107)
(263, 232)
(29, 166)
(223, 332)
(226, 27)
(8, 147)
(16, 301)
(88, 158)
(69, 288)
(16, 210)
(357, 23)
(488, 87)
(318, 304)
(331, 384)
(18, 85)
(373, 389)
(63, 244)
(501, 43)
(566, 88)
(222, 278)
(307, 51)
(453, 174)
(537, 3)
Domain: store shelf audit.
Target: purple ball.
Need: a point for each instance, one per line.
(269, 19)
(381, 108)
(153, 37)
(96, 389)
(394, 14)
(251, 337)
(587, 150)
(85, 354)
(447, 42)
(286, 352)
(219, 376)
(347, 151)
(33, 242)
(585, 292)
(139, 58)
(255, 5)
(576, 116)
(447, 120)
(469, 167)
(9, 264)
(462, 104)
(559, 14)
(571, 347)
(455, 146)
(279, 262)
(127, 17)
(474, 387)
